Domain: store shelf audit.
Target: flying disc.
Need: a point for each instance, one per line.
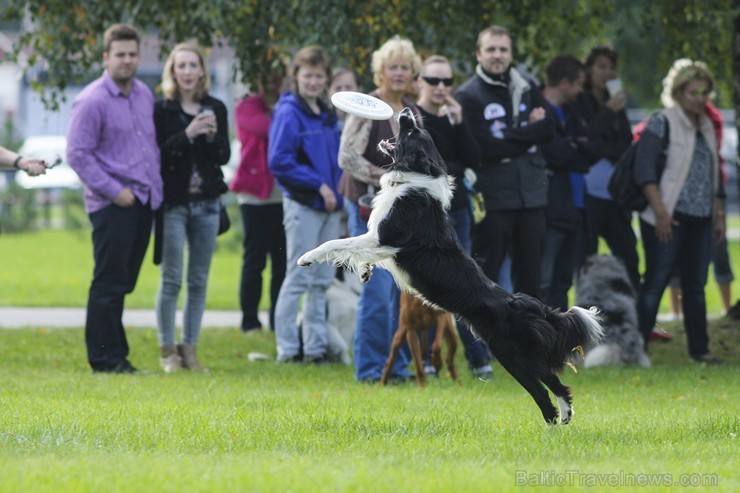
(362, 105)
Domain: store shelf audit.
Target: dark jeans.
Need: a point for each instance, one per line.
(606, 219)
(120, 239)
(263, 234)
(690, 250)
(560, 262)
(524, 231)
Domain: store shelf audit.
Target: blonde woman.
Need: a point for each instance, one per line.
(395, 65)
(193, 139)
(686, 205)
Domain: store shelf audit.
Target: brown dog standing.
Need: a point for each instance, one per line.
(415, 318)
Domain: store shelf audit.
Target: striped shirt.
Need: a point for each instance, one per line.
(111, 143)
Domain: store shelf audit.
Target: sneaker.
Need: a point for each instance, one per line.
(430, 371)
(401, 379)
(483, 373)
(658, 334)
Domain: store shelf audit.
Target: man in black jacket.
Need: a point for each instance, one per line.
(504, 111)
(569, 155)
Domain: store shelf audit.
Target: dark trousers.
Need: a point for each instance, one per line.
(559, 262)
(524, 231)
(263, 234)
(120, 239)
(606, 219)
(690, 250)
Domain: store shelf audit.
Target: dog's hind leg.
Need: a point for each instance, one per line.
(402, 333)
(563, 396)
(446, 326)
(527, 379)
(412, 337)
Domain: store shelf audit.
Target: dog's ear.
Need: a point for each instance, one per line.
(433, 162)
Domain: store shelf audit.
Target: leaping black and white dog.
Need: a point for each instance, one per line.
(410, 235)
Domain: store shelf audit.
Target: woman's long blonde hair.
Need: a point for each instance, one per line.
(169, 84)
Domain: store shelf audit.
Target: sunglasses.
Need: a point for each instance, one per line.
(434, 81)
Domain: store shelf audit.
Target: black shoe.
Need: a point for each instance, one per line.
(124, 367)
(707, 358)
(316, 360)
(254, 329)
(293, 359)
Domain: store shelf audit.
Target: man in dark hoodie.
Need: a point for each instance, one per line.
(504, 111)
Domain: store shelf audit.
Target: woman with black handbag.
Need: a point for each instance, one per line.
(192, 133)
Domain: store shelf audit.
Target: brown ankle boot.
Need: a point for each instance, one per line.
(189, 359)
(169, 359)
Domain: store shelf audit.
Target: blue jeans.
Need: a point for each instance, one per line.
(377, 318)
(197, 224)
(690, 250)
(120, 237)
(305, 229)
(263, 234)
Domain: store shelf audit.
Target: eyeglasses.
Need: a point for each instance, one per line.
(434, 81)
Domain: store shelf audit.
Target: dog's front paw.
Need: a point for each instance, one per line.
(366, 271)
(306, 260)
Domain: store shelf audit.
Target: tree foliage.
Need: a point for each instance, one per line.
(65, 36)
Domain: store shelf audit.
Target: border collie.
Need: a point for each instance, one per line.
(410, 235)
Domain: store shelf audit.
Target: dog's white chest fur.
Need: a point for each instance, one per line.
(394, 185)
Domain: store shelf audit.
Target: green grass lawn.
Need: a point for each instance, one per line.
(260, 426)
(54, 268)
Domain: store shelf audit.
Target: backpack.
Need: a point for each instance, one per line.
(622, 186)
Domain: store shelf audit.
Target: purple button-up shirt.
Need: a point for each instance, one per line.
(112, 143)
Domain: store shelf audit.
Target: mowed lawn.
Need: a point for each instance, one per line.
(54, 268)
(261, 426)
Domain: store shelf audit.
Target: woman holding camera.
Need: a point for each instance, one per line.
(193, 139)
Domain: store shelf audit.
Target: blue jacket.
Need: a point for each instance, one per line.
(303, 150)
(570, 151)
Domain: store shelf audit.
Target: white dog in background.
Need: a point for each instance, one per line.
(603, 282)
(341, 301)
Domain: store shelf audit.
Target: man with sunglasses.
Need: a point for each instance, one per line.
(505, 113)
(443, 118)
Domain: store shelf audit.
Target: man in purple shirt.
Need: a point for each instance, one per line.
(111, 144)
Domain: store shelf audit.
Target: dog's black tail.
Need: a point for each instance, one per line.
(578, 330)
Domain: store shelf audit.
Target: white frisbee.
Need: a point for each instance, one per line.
(362, 105)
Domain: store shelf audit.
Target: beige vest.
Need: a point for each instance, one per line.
(682, 140)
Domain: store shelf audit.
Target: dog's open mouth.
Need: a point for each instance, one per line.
(406, 119)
